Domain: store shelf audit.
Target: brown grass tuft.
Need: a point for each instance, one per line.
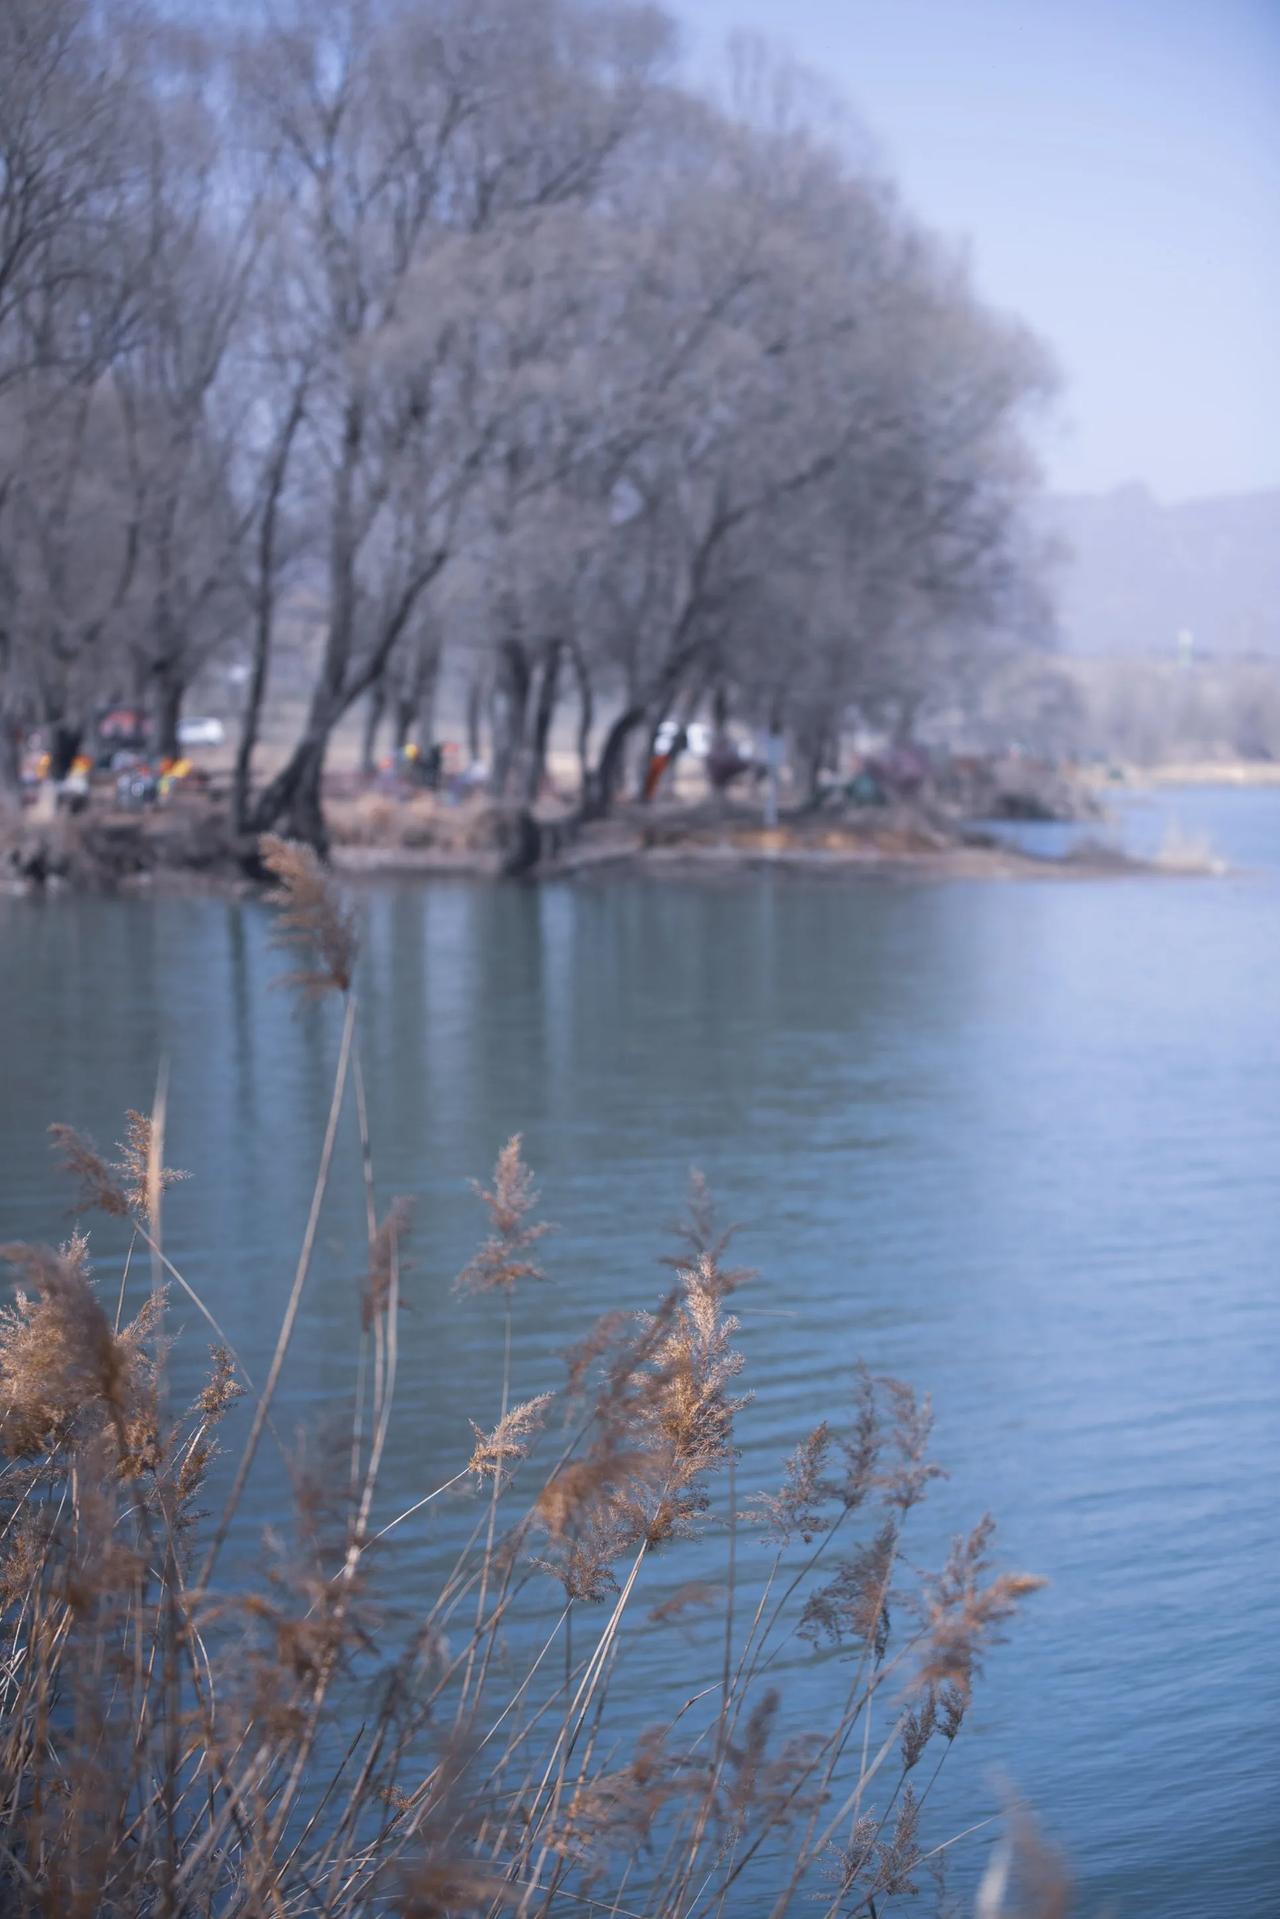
(63, 1371)
(313, 921)
(144, 1182)
(497, 1452)
(503, 1259)
(307, 1732)
(965, 1609)
(221, 1389)
(117, 1187)
(797, 1507)
(100, 1186)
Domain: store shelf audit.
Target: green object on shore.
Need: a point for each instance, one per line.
(864, 789)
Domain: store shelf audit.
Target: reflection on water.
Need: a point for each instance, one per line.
(1014, 1142)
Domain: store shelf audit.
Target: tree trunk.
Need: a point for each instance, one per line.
(294, 798)
(604, 782)
(10, 731)
(815, 752)
(65, 738)
(169, 695)
(140, 678)
(428, 687)
(775, 748)
(603, 788)
(586, 716)
(275, 478)
(10, 759)
(415, 702)
(544, 714)
(475, 718)
(251, 718)
(510, 710)
(372, 722)
(291, 804)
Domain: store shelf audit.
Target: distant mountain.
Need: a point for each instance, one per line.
(1136, 574)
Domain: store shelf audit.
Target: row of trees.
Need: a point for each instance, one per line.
(467, 327)
(1148, 712)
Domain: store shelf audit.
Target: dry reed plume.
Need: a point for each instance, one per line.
(193, 1728)
(313, 920)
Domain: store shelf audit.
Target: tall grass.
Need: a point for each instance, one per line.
(181, 1736)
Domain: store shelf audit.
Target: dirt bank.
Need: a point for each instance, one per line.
(189, 845)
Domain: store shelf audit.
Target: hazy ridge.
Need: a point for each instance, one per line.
(1135, 572)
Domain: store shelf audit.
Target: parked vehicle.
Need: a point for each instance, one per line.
(201, 732)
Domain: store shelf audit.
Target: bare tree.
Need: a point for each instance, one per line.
(192, 407)
(476, 330)
(405, 139)
(72, 261)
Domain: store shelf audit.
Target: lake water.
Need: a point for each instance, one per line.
(1016, 1142)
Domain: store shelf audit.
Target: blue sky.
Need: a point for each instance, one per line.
(1115, 167)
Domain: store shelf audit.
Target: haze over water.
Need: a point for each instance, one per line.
(1016, 1143)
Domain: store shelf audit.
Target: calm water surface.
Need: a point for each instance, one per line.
(1016, 1142)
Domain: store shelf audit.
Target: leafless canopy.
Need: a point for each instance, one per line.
(469, 341)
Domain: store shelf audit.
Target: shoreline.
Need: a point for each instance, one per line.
(970, 862)
(1196, 773)
(678, 864)
(189, 848)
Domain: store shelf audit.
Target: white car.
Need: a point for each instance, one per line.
(201, 733)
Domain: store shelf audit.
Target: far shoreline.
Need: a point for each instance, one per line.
(188, 846)
(1191, 773)
(692, 864)
(970, 856)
